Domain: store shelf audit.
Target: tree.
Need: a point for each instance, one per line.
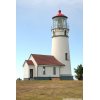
(79, 72)
(19, 79)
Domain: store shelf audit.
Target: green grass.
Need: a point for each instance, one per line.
(48, 90)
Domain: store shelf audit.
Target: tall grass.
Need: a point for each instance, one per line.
(48, 90)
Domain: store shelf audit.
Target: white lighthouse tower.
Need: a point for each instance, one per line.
(60, 43)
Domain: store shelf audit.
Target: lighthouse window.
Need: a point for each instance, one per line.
(55, 21)
(60, 23)
(64, 23)
(66, 56)
(43, 70)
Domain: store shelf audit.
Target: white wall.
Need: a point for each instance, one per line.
(27, 70)
(35, 67)
(49, 71)
(59, 32)
(60, 46)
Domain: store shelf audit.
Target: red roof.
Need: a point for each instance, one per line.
(29, 62)
(59, 14)
(46, 60)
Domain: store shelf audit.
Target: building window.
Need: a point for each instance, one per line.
(66, 56)
(43, 70)
(54, 70)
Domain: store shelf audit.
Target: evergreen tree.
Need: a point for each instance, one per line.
(79, 72)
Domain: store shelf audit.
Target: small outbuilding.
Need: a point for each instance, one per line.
(42, 67)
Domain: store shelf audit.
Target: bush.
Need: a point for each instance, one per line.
(19, 79)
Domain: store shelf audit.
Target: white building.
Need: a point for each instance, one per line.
(56, 65)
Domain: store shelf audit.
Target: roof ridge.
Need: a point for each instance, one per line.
(42, 55)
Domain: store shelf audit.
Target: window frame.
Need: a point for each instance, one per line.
(44, 70)
(54, 71)
(66, 56)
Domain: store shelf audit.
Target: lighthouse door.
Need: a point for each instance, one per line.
(31, 73)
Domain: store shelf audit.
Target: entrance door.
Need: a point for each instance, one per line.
(31, 73)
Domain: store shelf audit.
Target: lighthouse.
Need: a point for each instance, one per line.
(60, 43)
(54, 66)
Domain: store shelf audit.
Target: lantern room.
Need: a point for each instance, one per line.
(60, 20)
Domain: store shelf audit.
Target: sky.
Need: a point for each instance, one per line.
(33, 29)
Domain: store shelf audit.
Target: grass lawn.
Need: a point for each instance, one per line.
(48, 89)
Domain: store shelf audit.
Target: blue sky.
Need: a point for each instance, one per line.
(33, 29)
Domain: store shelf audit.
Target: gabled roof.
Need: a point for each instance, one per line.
(46, 60)
(29, 62)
